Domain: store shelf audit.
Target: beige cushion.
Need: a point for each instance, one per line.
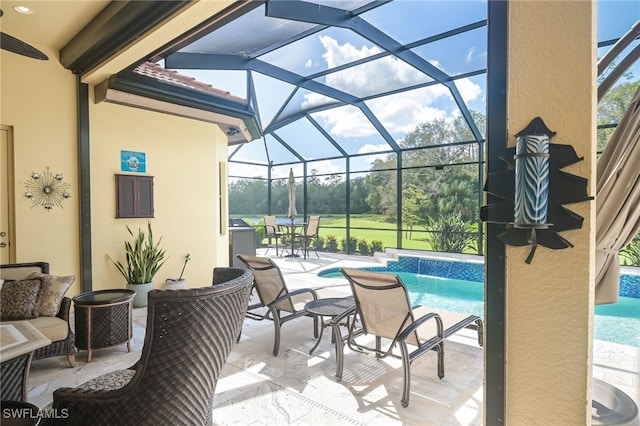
(53, 328)
(51, 293)
(19, 299)
(18, 273)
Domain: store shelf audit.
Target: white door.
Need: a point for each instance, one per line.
(7, 237)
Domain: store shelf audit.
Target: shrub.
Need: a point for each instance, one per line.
(376, 246)
(318, 243)
(450, 234)
(363, 247)
(631, 253)
(260, 231)
(351, 246)
(331, 243)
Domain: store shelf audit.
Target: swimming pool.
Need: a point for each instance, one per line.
(618, 322)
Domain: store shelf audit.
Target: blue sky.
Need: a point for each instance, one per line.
(404, 21)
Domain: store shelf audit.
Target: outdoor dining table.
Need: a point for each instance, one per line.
(291, 229)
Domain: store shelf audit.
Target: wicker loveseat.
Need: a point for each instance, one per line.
(189, 336)
(55, 327)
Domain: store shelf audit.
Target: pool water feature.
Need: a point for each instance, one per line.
(618, 322)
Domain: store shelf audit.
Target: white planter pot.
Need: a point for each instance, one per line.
(172, 284)
(140, 299)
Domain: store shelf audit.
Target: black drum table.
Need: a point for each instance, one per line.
(103, 319)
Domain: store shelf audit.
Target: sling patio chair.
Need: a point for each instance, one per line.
(274, 295)
(189, 336)
(272, 231)
(306, 237)
(383, 310)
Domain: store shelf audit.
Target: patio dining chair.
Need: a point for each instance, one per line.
(383, 310)
(188, 338)
(306, 237)
(272, 291)
(272, 231)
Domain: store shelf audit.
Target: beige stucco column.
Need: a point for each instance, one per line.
(549, 303)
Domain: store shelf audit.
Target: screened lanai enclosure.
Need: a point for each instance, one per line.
(378, 107)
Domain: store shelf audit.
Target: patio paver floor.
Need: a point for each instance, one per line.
(296, 388)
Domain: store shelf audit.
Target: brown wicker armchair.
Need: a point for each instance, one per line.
(189, 336)
(65, 346)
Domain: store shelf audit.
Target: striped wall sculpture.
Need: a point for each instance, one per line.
(529, 194)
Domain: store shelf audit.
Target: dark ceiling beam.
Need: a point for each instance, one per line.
(325, 15)
(207, 61)
(276, 124)
(418, 43)
(115, 27)
(231, 62)
(447, 34)
(327, 135)
(289, 148)
(331, 16)
(379, 127)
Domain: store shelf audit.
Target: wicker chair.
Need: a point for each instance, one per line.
(189, 336)
(274, 295)
(66, 346)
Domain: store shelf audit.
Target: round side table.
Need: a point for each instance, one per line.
(103, 319)
(328, 307)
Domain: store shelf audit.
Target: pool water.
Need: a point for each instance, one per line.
(618, 322)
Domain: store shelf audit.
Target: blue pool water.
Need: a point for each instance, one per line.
(618, 322)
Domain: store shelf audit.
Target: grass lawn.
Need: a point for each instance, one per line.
(382, 231)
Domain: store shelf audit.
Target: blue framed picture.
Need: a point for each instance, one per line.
(131, 161)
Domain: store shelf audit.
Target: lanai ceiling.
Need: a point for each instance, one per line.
(329, 79)
(322, 79)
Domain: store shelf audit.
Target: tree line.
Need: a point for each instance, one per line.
(439, 175)
(438, 178)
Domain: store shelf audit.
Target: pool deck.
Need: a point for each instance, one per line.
(294, 387)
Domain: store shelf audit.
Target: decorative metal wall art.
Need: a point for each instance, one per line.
(47, 189)
(528, 195)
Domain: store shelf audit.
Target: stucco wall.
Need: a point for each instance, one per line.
(38, 100)
(549, 303)
(182, 155)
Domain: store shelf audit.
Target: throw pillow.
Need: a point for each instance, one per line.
(51, 293)
(19, 299)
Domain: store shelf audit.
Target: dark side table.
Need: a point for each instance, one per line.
(328, 307)
(103, 319)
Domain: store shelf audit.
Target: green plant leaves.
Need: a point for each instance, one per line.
(144, 257)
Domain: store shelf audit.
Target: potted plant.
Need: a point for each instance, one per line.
(144, 257)
(175, 284)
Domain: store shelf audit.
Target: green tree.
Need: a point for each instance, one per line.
(449, 180)
(612, 107)
(412, 198)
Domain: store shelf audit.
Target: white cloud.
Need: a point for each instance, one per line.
(346, 121)
(468, 89)
(309, 63)
(370, 148)
(470, 53)
(247, 170)
(398, 113)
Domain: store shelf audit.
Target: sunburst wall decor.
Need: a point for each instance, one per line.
(47, 189)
